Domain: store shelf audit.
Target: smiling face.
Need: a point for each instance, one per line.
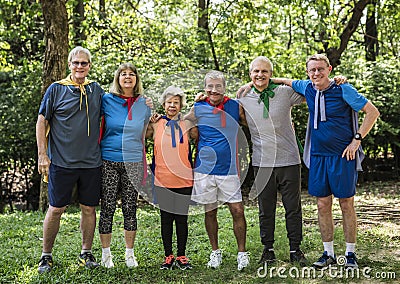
(318, 71)
(261, 72)
(79, 66)
(127, 81)
(215, 89)
(172, 106)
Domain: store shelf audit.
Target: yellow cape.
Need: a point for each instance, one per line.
(68, 82)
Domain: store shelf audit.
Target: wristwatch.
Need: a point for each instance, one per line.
(358, 136)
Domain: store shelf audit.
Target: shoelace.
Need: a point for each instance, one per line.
(169, 259)
(182, 259)
(46, 259)
(244, 256)
(89, 256)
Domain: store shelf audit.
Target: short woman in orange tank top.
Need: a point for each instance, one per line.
(173, 175)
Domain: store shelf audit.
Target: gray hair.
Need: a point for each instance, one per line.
(215, 75)
(116, 88)
(173, 91)
(77, 50)
(318, 57)
(261, 58)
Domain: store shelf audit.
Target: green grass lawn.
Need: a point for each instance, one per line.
(378, 246)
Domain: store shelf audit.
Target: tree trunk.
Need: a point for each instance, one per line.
(371, 34)
(55, 57)
(334, 54)
(102, 17)
(77, 19)
(204, 30)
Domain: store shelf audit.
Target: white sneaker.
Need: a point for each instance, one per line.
(131, 261)
(106, 261)
(215, 259)
(243, 260)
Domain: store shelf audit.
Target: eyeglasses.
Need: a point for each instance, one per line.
(81, 63)
(217, 87)
(314, 70)
(263, 72)
(123, 74)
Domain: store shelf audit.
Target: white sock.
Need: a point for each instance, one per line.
(350, 247)
(129, 251)
(86, 250)
(46, 253)
(240, 253)
(328, 247)
(106, 251)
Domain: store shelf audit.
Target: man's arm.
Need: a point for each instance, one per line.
(190, 115)
(150, 130)
(43, 159)
(285, 81)
(371, 115)
(242, 116)
(194, 133)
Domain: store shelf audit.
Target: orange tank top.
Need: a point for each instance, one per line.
(173, 169)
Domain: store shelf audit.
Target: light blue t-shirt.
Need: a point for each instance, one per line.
(123, 138)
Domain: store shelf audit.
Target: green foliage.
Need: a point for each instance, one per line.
(378, 81)
(21, 33)
(19, 102)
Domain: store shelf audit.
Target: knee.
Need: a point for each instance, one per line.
(88, 210)
(324, 205)
(346, 205)
(237, 211)
(55, 212)
(211, 214)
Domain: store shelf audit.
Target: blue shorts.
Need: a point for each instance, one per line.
(332, 175)
(62, 181)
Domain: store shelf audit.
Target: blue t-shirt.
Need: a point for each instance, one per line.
(69, 144)
(333, 135)
(123, 138)
(217, 145)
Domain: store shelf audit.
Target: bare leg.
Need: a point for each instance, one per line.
(130, 237)
(51, 225)
(325, 219)
(349, 219)
(239, 224)
(212, 224)
(88, 225)
(105, 240)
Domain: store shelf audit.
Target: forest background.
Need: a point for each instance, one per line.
(174, 42)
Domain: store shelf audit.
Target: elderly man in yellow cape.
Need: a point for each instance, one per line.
(70, 114)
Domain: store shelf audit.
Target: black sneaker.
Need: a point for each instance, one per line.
(182, 262)
(268, 255)
(87, 260)
(298, 256)
(351, 261)
(168, 262)
(45, 264)
(324, 261)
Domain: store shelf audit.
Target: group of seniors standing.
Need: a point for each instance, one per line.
(95, 140)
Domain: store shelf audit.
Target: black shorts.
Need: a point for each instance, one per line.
(62, 181)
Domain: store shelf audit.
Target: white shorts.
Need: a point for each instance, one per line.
(208, 189)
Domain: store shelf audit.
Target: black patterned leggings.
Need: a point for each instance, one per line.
(124, 176)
